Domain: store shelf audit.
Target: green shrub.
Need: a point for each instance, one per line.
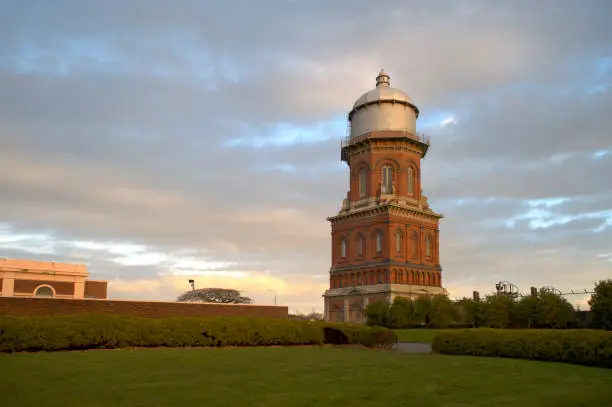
(72, 332)
(377, 313)
(374, 336)
(584, 347)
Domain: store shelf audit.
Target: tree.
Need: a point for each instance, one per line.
(442, 312)
(601, 305)
(471, 312)
(422, 307)
(401, 313)
(553, 311)
(527, 311)
(499, 311)
(215, 295)
(377, 313)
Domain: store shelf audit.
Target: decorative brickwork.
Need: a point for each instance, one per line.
(385, 238)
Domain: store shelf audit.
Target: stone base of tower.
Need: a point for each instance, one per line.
(347, 304)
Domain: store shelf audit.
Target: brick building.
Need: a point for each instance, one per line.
(385, 236)
(27, 278)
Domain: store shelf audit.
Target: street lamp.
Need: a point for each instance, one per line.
(192, 284)
(272, 291)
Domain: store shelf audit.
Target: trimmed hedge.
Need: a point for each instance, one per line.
(73, 332)
(343, 334)
(583, 347)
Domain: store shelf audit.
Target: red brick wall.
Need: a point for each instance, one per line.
(96, 289)
(54, 306)
(417, 268)
(28, 286)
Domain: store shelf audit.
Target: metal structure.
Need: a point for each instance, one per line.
(550, 289)
(507, 288)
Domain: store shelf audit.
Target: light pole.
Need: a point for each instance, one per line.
(192, 284)
(272, 291)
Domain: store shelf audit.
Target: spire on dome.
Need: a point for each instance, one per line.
(383, 79)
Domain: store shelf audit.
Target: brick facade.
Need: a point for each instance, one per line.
(385, 238)
(96, 289)
(27, 287)
(53, 306)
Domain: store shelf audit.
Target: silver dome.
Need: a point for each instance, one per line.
(383, 92)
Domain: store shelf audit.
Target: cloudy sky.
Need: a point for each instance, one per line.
(157, 141)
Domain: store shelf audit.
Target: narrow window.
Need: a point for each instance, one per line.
(387, 179)
(398, 241)
(343, 247)
(360, 246)
(414, 244)
(362, 183)
(410, 181)
(428, 243)
(378, 242)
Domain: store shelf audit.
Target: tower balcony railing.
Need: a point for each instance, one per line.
(395, 133)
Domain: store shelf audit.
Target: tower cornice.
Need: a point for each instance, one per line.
(387, 208)
(386, 263)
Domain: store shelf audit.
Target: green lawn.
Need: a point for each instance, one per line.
(283, 377)
(418, 335)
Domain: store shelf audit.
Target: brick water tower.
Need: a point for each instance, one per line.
(385, 236)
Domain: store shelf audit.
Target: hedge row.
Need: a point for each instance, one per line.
(583, 347)
(109, 331)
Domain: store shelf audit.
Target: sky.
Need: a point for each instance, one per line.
(160, 141)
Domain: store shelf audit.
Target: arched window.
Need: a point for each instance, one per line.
(343, 248)
(428, 244)
(398, 241)
(44, 291)
(363, 188)
(410, 181)
(387, 179)
(378, 242)
(360, 246)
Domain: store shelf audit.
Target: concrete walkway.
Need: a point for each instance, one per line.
(413, 347)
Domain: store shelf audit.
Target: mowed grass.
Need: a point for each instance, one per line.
(418, 335)
(304, 376)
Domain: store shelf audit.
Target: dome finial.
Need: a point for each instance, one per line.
(383, 79)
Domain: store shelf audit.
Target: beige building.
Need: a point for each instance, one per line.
(28, 278)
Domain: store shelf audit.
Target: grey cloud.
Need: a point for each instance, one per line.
(123, 151)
